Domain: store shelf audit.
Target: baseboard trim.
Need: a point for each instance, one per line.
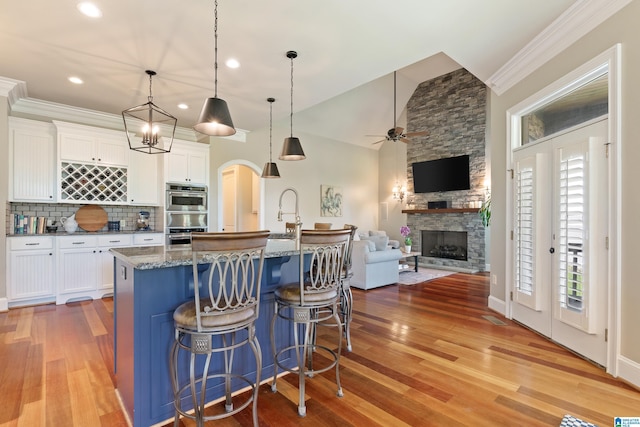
(496, 305)
(629, 370)
(4, 304)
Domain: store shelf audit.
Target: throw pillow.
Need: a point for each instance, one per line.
(380, 242)
(377, 233)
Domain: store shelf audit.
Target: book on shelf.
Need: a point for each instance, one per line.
(28, 224)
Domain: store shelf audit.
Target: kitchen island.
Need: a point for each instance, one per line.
(150, 282)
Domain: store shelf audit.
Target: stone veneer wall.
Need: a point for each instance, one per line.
(452, 108)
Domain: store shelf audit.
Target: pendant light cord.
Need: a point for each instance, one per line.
(270, 126)
(291, 115)
(215, 50)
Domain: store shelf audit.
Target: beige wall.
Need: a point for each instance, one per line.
(330, 162)
(621, 28)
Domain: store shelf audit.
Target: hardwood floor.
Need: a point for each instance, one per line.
(424, 355)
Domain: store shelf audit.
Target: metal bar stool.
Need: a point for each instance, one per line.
(346, 296)
(228, 303)
(310, 301)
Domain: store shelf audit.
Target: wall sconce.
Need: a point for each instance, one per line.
(399, 192)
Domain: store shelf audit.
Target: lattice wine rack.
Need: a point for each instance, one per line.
(84, 182)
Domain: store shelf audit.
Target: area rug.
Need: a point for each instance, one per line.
(423, 275)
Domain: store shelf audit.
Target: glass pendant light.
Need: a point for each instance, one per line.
(270, 169)
(292, 149)
(215, 119)
(146, 124)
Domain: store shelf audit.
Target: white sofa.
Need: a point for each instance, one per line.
(374, 262)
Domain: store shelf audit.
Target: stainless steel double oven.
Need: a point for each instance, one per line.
(186, 209)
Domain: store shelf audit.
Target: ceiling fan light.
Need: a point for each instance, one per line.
(270, 170)
(292, 149)
(215, 119)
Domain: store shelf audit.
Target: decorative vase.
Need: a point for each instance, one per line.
(407, 248)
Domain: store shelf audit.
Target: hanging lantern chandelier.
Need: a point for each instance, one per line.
(147, 124)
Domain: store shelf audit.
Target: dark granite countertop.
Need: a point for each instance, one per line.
(152, 257)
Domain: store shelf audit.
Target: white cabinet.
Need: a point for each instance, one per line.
(77, 268)
(105, 267)
(30, 270)
(85, 265)
(188, 162)
(144, 182)
(92, 164)
(32, 161)
(89, 145)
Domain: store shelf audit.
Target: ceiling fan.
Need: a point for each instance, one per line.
(397, 133)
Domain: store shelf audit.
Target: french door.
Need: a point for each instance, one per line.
(560, 239)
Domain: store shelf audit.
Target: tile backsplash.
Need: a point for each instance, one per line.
(55, 211)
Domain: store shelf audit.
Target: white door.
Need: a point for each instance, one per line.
(560, 239)
(229, 189)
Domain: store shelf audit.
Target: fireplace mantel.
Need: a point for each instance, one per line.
(439, 211)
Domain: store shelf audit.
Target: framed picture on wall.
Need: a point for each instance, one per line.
(330, 200)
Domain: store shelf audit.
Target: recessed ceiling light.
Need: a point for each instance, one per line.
(183, 106)
(232, 63)
(89, 9)
(76, 80)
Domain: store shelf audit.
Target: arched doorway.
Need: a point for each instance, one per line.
(241, 196)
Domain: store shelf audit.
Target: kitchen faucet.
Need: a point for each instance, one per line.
(296, 213)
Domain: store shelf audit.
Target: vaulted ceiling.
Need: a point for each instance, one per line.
(347, 52)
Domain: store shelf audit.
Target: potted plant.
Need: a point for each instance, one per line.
(405, 231)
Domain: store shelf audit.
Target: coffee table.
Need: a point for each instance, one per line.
(414, 255)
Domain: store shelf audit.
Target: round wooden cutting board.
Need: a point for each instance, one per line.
(91, 217)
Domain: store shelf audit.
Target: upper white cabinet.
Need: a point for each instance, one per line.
(188, 162)
(32, 161)
(86, 144)
(93, 165)
(144, 185)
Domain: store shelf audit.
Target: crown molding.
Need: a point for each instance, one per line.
(578, 20)
(12, 89)
(67, 113)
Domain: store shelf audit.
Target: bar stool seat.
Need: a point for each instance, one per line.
(227, 272)
(185, 316)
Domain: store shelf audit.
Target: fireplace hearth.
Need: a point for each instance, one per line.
(444, 244)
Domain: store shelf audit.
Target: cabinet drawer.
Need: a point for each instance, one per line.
(148, 239)
(71, 242)
(30, 243)
(113, 240)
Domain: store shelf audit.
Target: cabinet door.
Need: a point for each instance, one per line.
(188, 162)
(198, 166)
(32, 153)
(78, 148)
(178, 166)
(78, 269)
(144, 185)
(105, 258)
(111, 151)
(31, 275)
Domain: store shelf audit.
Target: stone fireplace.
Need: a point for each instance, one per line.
(453, 108)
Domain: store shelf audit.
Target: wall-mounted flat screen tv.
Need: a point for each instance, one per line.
(448, 174)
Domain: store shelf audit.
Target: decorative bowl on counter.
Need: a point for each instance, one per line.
(52, 228)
